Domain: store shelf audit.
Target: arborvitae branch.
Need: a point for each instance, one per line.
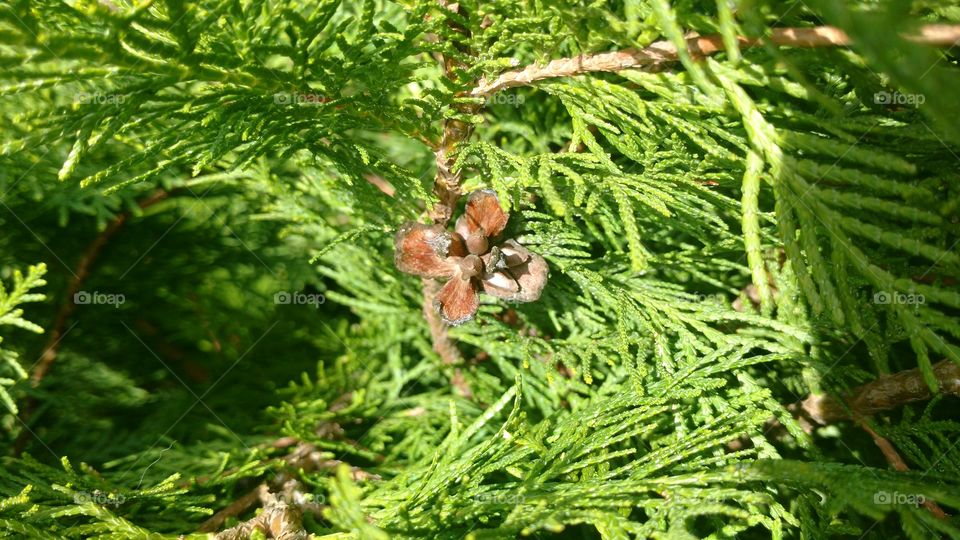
(446, 187)
(887, 392)
(603, 410)
(234, 509)
(662, 52)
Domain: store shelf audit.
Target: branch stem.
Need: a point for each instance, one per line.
(886, 392)
(446, 186)
(663, 52)
(893, 458)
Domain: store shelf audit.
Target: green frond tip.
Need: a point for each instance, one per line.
(11, 371)
(347, 236)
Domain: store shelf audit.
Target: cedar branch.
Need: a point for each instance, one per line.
(887, 392)
(446, 187)
(234, 509)
(662, 52)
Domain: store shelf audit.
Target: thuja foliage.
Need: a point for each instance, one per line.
(214, 187)
(11, 314)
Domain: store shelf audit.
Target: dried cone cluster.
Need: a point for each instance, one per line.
(471, 260)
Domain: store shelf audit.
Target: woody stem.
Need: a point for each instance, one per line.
(442, 344)
(663, 52)
(446, 186)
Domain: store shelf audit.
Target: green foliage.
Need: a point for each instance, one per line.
(726, 235)
(12, 315)
(69, 503)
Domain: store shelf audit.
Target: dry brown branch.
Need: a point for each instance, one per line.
(461, 385)
(382, 184)
(284, 497)
(887, 392)
(446, 186)
(663, 52)
(308, 458)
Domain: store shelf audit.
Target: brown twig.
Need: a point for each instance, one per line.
(235, 508)
(308, 458)
(461, 384)
(663, 52)
(446, 186)
(304, 457)
(886, 447)
(897, 462)
(67, 306)
(283, 496)
(887, 392)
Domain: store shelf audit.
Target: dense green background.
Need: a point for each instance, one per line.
(631, 400)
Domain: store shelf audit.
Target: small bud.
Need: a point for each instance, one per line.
(471, 266)
(477, 244)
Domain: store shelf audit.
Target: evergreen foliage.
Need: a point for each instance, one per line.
(12, 315)
(727, 234)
